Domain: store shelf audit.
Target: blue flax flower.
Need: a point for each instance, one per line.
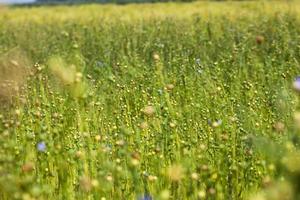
(41, 146)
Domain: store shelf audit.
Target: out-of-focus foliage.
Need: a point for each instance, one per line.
(285, 154)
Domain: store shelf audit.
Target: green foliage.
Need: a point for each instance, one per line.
(161, 105)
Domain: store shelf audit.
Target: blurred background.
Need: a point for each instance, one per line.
(35, 2)
(16, 1)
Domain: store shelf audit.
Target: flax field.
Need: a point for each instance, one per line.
(178, 101)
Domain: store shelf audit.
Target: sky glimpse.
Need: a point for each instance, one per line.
(15, 1)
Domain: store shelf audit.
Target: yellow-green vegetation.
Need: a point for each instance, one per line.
(110, 13)
(150, 101)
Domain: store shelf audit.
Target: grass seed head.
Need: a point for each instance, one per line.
(279, 127)
(135, 162)
(85, 183)
(259, 39)
(95, 183)
(79, 154)
(149, 111)
(212, 191)
(169, 87)
(152, 178)
(175, 173)
(194, 176)
(97, 138)
(28, 167)
(156, 57)
(144, 125)
(165, 195)
(172, 124)
(109, 178)
(202, 194)
(217, 123)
